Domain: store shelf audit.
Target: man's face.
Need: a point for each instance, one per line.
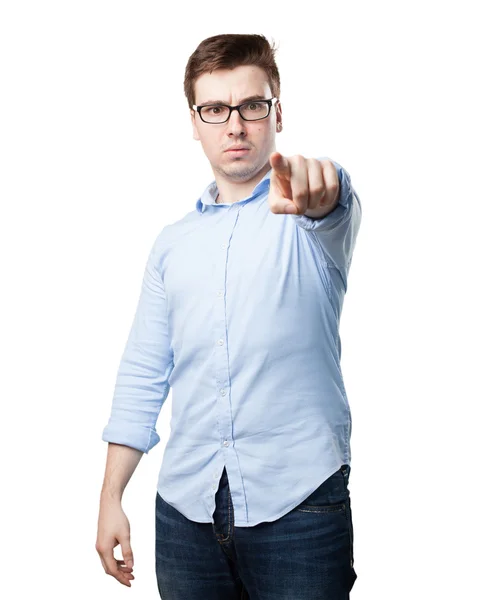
(232, 86)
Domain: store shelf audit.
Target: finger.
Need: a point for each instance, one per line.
(281, 165)
(121, 565)
(299, 183)
(124, 568)
(280, 198)
(280, 180)
(331, 183)
(127, 574)
(111, 568)
(317, 188)
(127, 552)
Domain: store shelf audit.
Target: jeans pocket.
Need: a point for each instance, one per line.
(329, 497)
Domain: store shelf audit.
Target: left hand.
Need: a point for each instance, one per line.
(301, 185)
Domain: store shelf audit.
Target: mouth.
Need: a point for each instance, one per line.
(238, 152)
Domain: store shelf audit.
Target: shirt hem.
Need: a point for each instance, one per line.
(276, 516)
(290, 507)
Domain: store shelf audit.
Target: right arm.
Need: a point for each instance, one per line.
(113, 525)
(142, 385)
(121, 462)
(141, 389)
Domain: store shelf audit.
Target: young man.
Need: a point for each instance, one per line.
(239, 314)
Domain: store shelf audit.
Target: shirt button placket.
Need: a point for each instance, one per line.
(221, 354)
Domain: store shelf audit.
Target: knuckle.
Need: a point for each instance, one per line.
(317, 190)
(302, 194)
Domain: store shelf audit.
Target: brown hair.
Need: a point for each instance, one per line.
(227, 51)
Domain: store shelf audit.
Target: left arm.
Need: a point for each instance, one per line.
(318, 195)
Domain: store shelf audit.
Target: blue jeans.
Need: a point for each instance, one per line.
(306, 554)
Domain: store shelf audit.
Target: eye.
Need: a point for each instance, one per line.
(215, 110)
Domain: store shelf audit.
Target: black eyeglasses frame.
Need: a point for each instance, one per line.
(269, 101)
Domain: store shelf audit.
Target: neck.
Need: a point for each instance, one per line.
(229, 193)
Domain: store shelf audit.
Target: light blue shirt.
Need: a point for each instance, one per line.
(239, 314)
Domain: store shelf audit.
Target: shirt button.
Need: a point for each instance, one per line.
(223, 392)
(226, 443)
(220, 292)
(220, 342)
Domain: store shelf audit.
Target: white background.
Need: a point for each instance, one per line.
(97, 155)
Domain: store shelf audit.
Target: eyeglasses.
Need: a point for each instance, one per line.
(253, 110)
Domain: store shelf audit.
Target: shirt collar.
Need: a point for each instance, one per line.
(211, 192)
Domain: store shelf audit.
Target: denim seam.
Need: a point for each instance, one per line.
(351, 552)
(350, 525)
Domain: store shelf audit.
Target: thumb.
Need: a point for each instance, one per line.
(127, 553)
(280, 165)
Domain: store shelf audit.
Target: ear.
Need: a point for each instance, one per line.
(193, 114)
(279, 117)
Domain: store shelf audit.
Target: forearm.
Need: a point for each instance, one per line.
(121, 463)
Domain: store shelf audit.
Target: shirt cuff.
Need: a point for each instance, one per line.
(138, 437)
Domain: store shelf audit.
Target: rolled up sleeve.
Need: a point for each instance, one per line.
(336, 232)
(142, 385)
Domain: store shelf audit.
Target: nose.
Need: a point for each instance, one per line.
(236, 124)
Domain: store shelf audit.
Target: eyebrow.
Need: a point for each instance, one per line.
(255, 97)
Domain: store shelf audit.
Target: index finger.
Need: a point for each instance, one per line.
(280, 165)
